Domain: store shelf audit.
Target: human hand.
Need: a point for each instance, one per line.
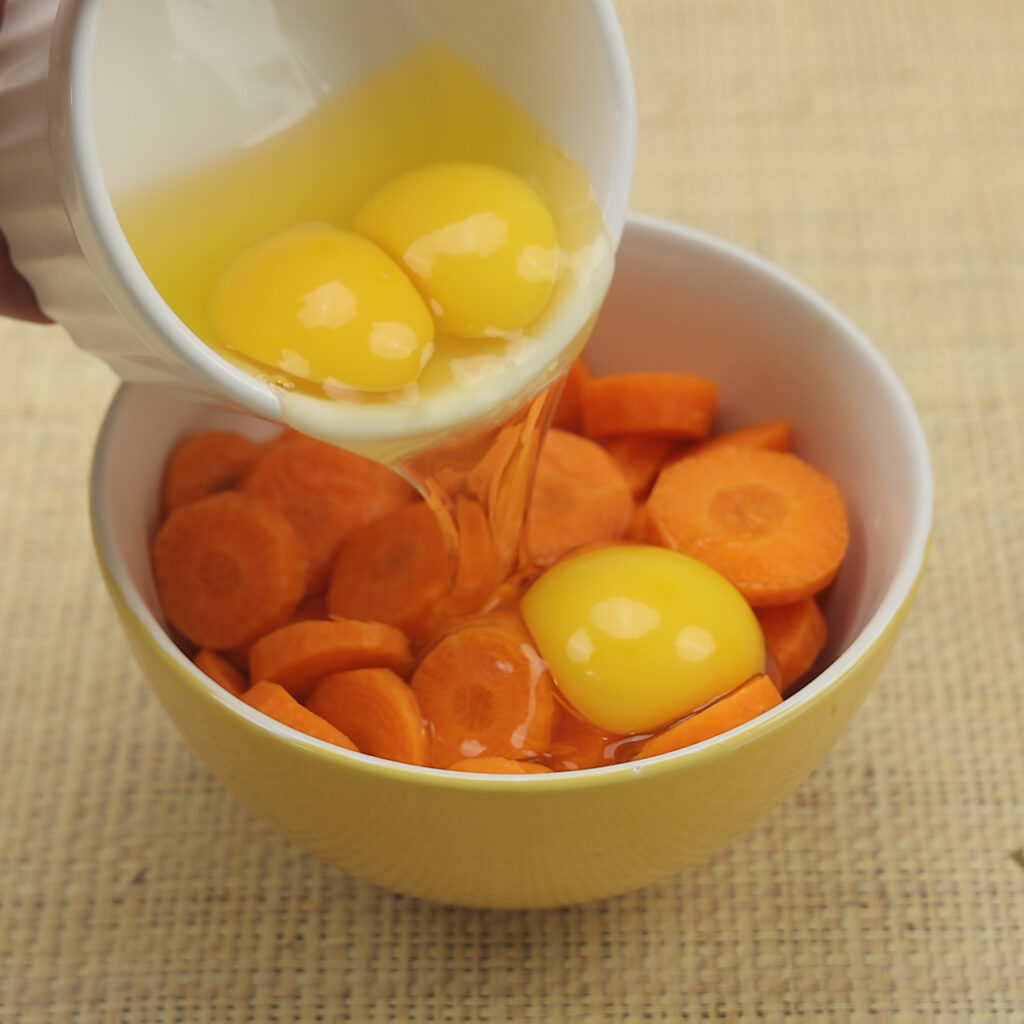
(16, 297)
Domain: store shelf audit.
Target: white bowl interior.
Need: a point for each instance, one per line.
(178, 82)
(144, 88)
(681, 301)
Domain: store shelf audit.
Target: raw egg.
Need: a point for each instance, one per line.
(636, 637)
(325, 306)
(477, 241)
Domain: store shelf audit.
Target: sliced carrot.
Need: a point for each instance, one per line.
(637, 529)
(485, 691)
(674, 405)
(312, 606)
(227, 568)
(476, 573)
(772, 435)
(300, 654)
(795, 633)
(577, 743)
(568, 414)
(221, 671)
(279, 704)
(325, 492)
(483, 478)
(208, 462)
(377, 710)
(393, 570)
(753, 698)
(769, 522)
(498, 766)
(639, 458)
(579, 496)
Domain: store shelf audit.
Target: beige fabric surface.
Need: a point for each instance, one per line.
(876, 149)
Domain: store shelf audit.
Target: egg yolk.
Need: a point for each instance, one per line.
(477, 241)
(636, 637)
(325, 306)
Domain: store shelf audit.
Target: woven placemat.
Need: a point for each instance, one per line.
(874, 149)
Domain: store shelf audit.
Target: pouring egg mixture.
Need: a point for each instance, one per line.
(414, 244)
(413, 256)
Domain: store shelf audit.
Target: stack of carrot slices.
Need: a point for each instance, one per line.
(314, 584)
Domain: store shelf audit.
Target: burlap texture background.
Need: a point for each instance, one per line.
(876, 149)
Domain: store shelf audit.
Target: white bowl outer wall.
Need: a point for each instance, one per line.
(600, 130)
(59, 152)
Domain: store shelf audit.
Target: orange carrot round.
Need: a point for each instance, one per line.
(772, 435)
(300, 654)
(476, 573)
(577, 743)
(393, 570)
(201, 465)
(639, 458)
(753, 698)
(498, 766)
(377, 710)
(568, 414)
(325, 492)
(221, 671)
(485, 691)
(579, 497)
(773, 525)
(227, 568)
(637, 529)
(795, 633)
(674, 405)
(277, 703)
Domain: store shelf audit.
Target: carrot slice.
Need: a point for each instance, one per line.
(300, 654)
(498, 766)
(325, 493)
(476, 574)
(639, 458)
(312, 606)
(568, 414)
(577, 743)
(637, 529)
(393, 570)
(795, 633)
(227, 568)
(485, 691)
(579, 497)
(221, 671)
(279, 704)
(773, 525)
(377, 710)
(771, 435)
(753, 698)
(208, 462)
(665, 404)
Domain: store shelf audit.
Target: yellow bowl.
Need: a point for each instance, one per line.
(680, 301)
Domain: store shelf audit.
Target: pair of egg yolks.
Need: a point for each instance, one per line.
(637, 637)
(467, 247)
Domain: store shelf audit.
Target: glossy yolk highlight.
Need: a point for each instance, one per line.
(636, 637)
(477, 241)
(325, 306)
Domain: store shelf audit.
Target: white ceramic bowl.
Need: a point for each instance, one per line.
(108, 95)
(680, 300)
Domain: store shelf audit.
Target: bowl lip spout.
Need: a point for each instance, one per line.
(873, 638)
